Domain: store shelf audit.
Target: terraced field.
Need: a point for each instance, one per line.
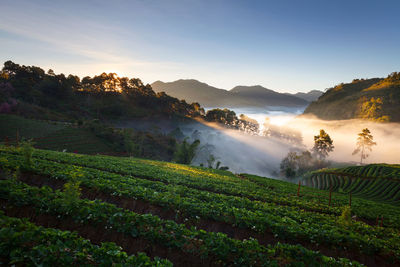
(51, 135)
(194, 216)
(375, 181)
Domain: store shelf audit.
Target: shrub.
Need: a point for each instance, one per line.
(27, 150)
(345, 218)
(71, 188)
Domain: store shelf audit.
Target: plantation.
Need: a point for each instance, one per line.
(197, 216)
(51, 135)
(374, 181)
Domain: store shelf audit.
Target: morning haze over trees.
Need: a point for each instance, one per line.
(364, 144)
(234, 157)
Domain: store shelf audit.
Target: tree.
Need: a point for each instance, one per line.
(297, 163)
(365, 141)
(323, 144)
(289, 165)
(185, 152)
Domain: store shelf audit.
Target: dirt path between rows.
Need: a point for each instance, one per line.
(142, 207)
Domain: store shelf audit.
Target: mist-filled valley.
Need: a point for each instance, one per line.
(200, 133)
(281, 130)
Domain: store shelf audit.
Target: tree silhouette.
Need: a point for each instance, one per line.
(323, 144)
(365, 141)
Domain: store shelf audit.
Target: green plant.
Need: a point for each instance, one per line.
(27, 149)
(185, 152)
(72, 191)
(345, 217)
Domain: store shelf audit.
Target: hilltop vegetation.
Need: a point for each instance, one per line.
(30, 91)
(198, 216)
(68, 113)
(372, 99)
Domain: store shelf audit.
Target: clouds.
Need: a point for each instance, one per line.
(287, 47)
(69, 43)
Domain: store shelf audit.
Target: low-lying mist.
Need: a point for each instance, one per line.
(261, 153)
(344, 135)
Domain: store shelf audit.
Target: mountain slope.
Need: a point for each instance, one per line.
(240, 96)
(373, 99)
(195, 91)
(309, 96)
(264, 96)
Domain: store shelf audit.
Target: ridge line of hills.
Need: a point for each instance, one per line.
(240, 96)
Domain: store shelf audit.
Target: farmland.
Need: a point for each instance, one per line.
(57, 136)
(213, 215)
(374, 181)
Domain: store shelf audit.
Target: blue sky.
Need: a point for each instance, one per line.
(283, 45)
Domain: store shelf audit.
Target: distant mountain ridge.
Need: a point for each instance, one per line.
(309, 96)
(239, 96)
(375, 99)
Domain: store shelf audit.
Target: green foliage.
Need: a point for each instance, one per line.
(372, 109)
(25, 244)
(224, 116)
(254, 203)
(212, 246)
(104, 96)
(27, 149)
(374, 99)
(72, 191)
(377, 182)
(323, 144)
(298, 163)
(345, 217)
(185, 152)
(129, 145)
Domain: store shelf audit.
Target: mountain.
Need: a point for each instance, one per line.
(373, 99)
(240, 96)
(195, 91)
(310, 96)
(263, 96)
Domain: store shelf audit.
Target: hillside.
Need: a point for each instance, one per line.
(374, 181)
(152, 206)
(31, 92)
(240, 96)
(261, 96)
(373, 99)
(90, 137)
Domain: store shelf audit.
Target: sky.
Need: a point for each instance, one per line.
(287, 46)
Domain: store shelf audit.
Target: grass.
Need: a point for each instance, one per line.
(56, 136)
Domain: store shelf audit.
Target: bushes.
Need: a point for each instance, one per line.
(345, 217)
(27, 151)
(72, 191)
(185, 152)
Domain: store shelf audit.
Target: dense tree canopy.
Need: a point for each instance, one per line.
(101, 96)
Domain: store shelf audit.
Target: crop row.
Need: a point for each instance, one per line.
(24, 243)
(373, 170)
(374, 188)
(366, 206)
(221, 182)
(283, 222)
(215, 247)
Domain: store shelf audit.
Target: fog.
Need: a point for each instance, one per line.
(239, 151)
(344, 135)
(261, 155)
(281, 131)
